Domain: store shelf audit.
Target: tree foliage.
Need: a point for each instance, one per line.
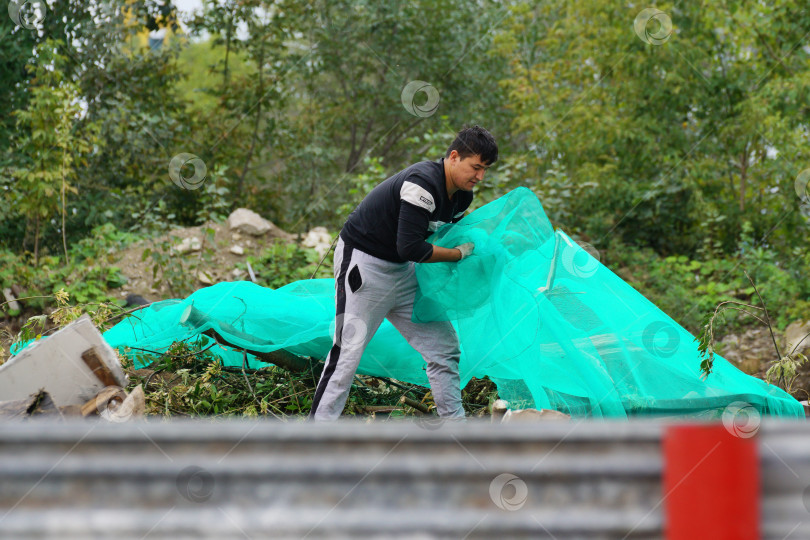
(672, 144)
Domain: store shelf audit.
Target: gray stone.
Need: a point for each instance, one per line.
(750, 352)
(187, 245)
(203, 278)
(11, 299)
(248, 222)
(319, 239)
(794, 334)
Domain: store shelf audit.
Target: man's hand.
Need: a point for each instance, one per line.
(465, 249)
(442, 254)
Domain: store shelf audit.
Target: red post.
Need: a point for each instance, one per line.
(711, 484)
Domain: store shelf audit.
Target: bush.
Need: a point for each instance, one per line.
(88, 279)
(283, 263)
(687, 289)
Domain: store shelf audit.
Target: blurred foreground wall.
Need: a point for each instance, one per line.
(260, 479)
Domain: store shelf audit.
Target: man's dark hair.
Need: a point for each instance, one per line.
(475, 141)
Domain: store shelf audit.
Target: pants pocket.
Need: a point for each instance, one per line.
(355, 280)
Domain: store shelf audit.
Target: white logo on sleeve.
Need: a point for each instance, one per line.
(417, 196)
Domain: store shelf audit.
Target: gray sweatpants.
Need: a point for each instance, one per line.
(369, 290)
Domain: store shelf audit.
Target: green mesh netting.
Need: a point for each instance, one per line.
(536, 313)
(554, 328)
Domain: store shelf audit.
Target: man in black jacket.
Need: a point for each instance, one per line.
(375, 274)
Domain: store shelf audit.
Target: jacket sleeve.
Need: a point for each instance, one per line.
(413, 222)
(415, 207)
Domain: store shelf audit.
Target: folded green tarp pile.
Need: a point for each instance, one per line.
(534, 311)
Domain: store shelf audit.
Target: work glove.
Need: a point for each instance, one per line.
(465, 249)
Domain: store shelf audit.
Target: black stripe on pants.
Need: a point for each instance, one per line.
(340, 309)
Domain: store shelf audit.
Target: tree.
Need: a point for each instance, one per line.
(360, 57)
(664, 135)
(50, 144)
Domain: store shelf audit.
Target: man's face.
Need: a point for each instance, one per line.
(466, 172)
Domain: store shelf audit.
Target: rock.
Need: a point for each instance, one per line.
(499, 409)
(319, 239)
(135, 300)
(794, 334)
(237, 250)
(236, 237)
(750, 352)
(203, 278)
(11, 299)
(249, 222)
(237, 273)
(189, 244)
(751, 334)
(731, 340)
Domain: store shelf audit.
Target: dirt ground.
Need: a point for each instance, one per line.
(220, 266)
